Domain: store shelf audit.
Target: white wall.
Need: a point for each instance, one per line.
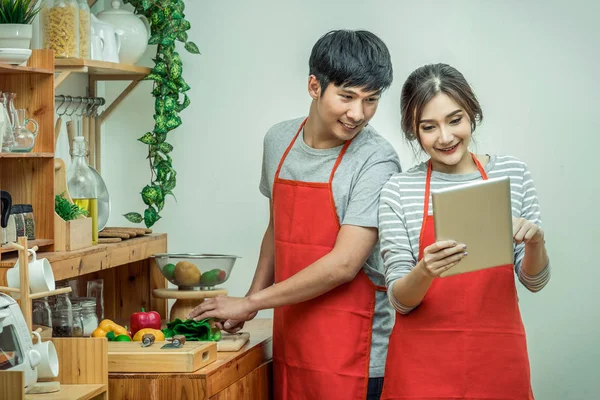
(533, 65)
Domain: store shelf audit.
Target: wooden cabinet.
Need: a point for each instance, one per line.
(29, 177)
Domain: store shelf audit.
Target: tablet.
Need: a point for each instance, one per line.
(479, 215)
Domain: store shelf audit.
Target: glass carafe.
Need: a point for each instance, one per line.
(24, 138)
(82, 184)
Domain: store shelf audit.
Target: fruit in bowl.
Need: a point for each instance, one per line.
(190, 270)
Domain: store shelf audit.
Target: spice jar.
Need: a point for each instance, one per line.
(89, 318)
(62, 317)
(60, 26)
(29, 221)
(17, 212)
(77, 322)
(41, 313)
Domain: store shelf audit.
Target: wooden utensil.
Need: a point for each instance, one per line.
(108, 240)
(86, 136)
(57, 127)
(71, 134)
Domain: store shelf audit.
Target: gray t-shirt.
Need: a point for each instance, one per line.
(369, 162)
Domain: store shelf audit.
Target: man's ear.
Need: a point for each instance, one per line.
(314, 87)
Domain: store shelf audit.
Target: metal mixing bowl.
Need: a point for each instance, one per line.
(190, 270)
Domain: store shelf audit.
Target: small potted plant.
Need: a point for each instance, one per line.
(16, 17)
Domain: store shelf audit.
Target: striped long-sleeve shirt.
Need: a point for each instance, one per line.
(401, 216)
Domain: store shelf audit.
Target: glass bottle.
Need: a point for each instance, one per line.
(7, 139)
(62, 317)
(85, 30)
(59, 25)
(82, 186)
(8, 100)
(41, 314)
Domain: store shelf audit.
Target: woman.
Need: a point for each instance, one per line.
(459, 337)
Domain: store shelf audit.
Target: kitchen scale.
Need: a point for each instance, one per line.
(196, 277)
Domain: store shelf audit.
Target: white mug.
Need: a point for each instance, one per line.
(41, 277)
(48, 366)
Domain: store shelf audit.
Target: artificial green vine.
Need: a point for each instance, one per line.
(168, 25)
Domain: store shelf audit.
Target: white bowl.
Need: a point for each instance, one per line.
(14, 56)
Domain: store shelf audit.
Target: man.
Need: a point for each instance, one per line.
(319, 263)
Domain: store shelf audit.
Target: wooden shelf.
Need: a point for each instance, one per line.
(26, 155)
(70, 264)
(30, 244)
(71, 392)
(102, 68)
(17, 69)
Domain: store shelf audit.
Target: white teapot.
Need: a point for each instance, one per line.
(135, 28)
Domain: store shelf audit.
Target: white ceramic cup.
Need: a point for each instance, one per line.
(41, 277)
(48, 366)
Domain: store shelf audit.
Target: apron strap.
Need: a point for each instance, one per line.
(289, 148)
(427, 192)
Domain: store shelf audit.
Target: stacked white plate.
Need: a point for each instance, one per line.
(14, 56)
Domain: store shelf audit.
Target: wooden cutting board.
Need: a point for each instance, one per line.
(232, 342)
(132, 357)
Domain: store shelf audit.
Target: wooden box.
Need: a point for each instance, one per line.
(72, 235)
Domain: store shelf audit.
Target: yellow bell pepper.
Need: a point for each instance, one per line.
(158, 335)
(107, 326)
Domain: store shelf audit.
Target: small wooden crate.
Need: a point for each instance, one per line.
(72, 235)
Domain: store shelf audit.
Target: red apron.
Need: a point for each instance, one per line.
(465, 340)
(321, 347)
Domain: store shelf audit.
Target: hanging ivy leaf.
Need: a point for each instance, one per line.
(185, 104)
(153, 77)
(160, 137)
(170, 104)
(165, 147)
(175, 72)
(134, 217)
(148, 138)
(192, 48)
(150, 216)
(182, 36)
(183, 86)
(146, 4)
(149, 194)
(173, 121)
(160, 68)
(172, 85)
(171, 183)
(154, 38)
(159, 106)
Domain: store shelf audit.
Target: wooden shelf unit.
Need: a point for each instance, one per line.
(29, 177)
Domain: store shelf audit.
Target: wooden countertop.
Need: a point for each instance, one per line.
(69, 264)
(228, 367)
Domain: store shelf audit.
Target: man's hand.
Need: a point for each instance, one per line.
(224, 308)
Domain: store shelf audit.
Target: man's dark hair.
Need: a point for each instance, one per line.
(352, 59)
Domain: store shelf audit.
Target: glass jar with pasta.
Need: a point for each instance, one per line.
(60, 27)
(85, 30)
